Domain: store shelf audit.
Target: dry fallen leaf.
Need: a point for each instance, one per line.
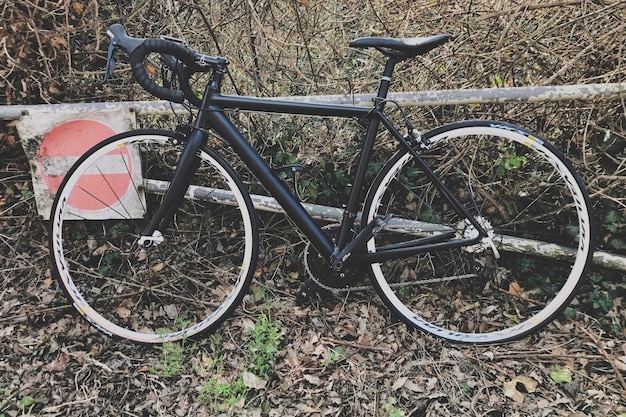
(171, 310)
(399, 383)
(560, 375)
(313, 379)
(9, 141)
(158, 267)
(512, 388)
(47, 281)
(515, 288)
(292, 358)
(78, 8)
(6, 331)
(123, 312)
(250, 380)
(101, 250)
(413, 386)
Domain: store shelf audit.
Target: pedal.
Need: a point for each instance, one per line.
(308, 289)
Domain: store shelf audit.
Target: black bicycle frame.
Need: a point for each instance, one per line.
(255, 163)
(212, 116)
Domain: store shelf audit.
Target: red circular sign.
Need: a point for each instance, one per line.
(64, 144)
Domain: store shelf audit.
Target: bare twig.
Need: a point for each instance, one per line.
(529, 7)
(354, 345)
(596, 340)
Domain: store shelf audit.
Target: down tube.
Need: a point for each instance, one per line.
(224, 128)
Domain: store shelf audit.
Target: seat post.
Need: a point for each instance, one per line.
(385, 81)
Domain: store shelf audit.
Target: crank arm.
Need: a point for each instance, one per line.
(338, 260)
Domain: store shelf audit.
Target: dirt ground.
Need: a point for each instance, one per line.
(339, 356)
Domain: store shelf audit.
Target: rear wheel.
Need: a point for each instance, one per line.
(178, 283)
(523, 192)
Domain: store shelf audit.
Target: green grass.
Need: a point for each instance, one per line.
(260, 347)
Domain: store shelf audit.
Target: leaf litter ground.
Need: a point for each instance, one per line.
(339, 356)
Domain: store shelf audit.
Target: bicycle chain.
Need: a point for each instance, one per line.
(336, 290)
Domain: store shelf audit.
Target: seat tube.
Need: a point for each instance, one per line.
(385, 82)
(350, 213)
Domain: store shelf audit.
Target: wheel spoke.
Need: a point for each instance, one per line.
(518, 277)
(178, 282)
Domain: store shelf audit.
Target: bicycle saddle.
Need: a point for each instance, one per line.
(401, 48)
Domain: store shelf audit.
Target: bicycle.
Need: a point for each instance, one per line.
(476, 232)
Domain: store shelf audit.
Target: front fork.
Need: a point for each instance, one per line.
(183, 174)
(185, 170)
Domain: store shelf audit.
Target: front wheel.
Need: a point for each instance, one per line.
(179, 282)
(523, 192)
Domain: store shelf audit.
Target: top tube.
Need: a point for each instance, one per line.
(270, 105)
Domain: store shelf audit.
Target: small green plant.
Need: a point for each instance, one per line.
(260, 353)
(263, 345)
(215, 343)
(335, 355)
(25, 402)
(216, 392)
(615, 222)
(118, 229)
(497, 81)
(508, 161)
(467, 390)
(601, 300)
(390, 408)
(601, 293)
(404, 291)
(2, 403)
(27, 194)
(171, 361)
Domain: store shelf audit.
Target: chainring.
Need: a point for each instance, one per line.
(321, 272)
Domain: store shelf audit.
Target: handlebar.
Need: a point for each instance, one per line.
(139, 48)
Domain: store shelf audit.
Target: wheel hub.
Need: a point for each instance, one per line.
(468, 231)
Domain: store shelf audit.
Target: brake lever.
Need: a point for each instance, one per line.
(110, 68)
(119, 38)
